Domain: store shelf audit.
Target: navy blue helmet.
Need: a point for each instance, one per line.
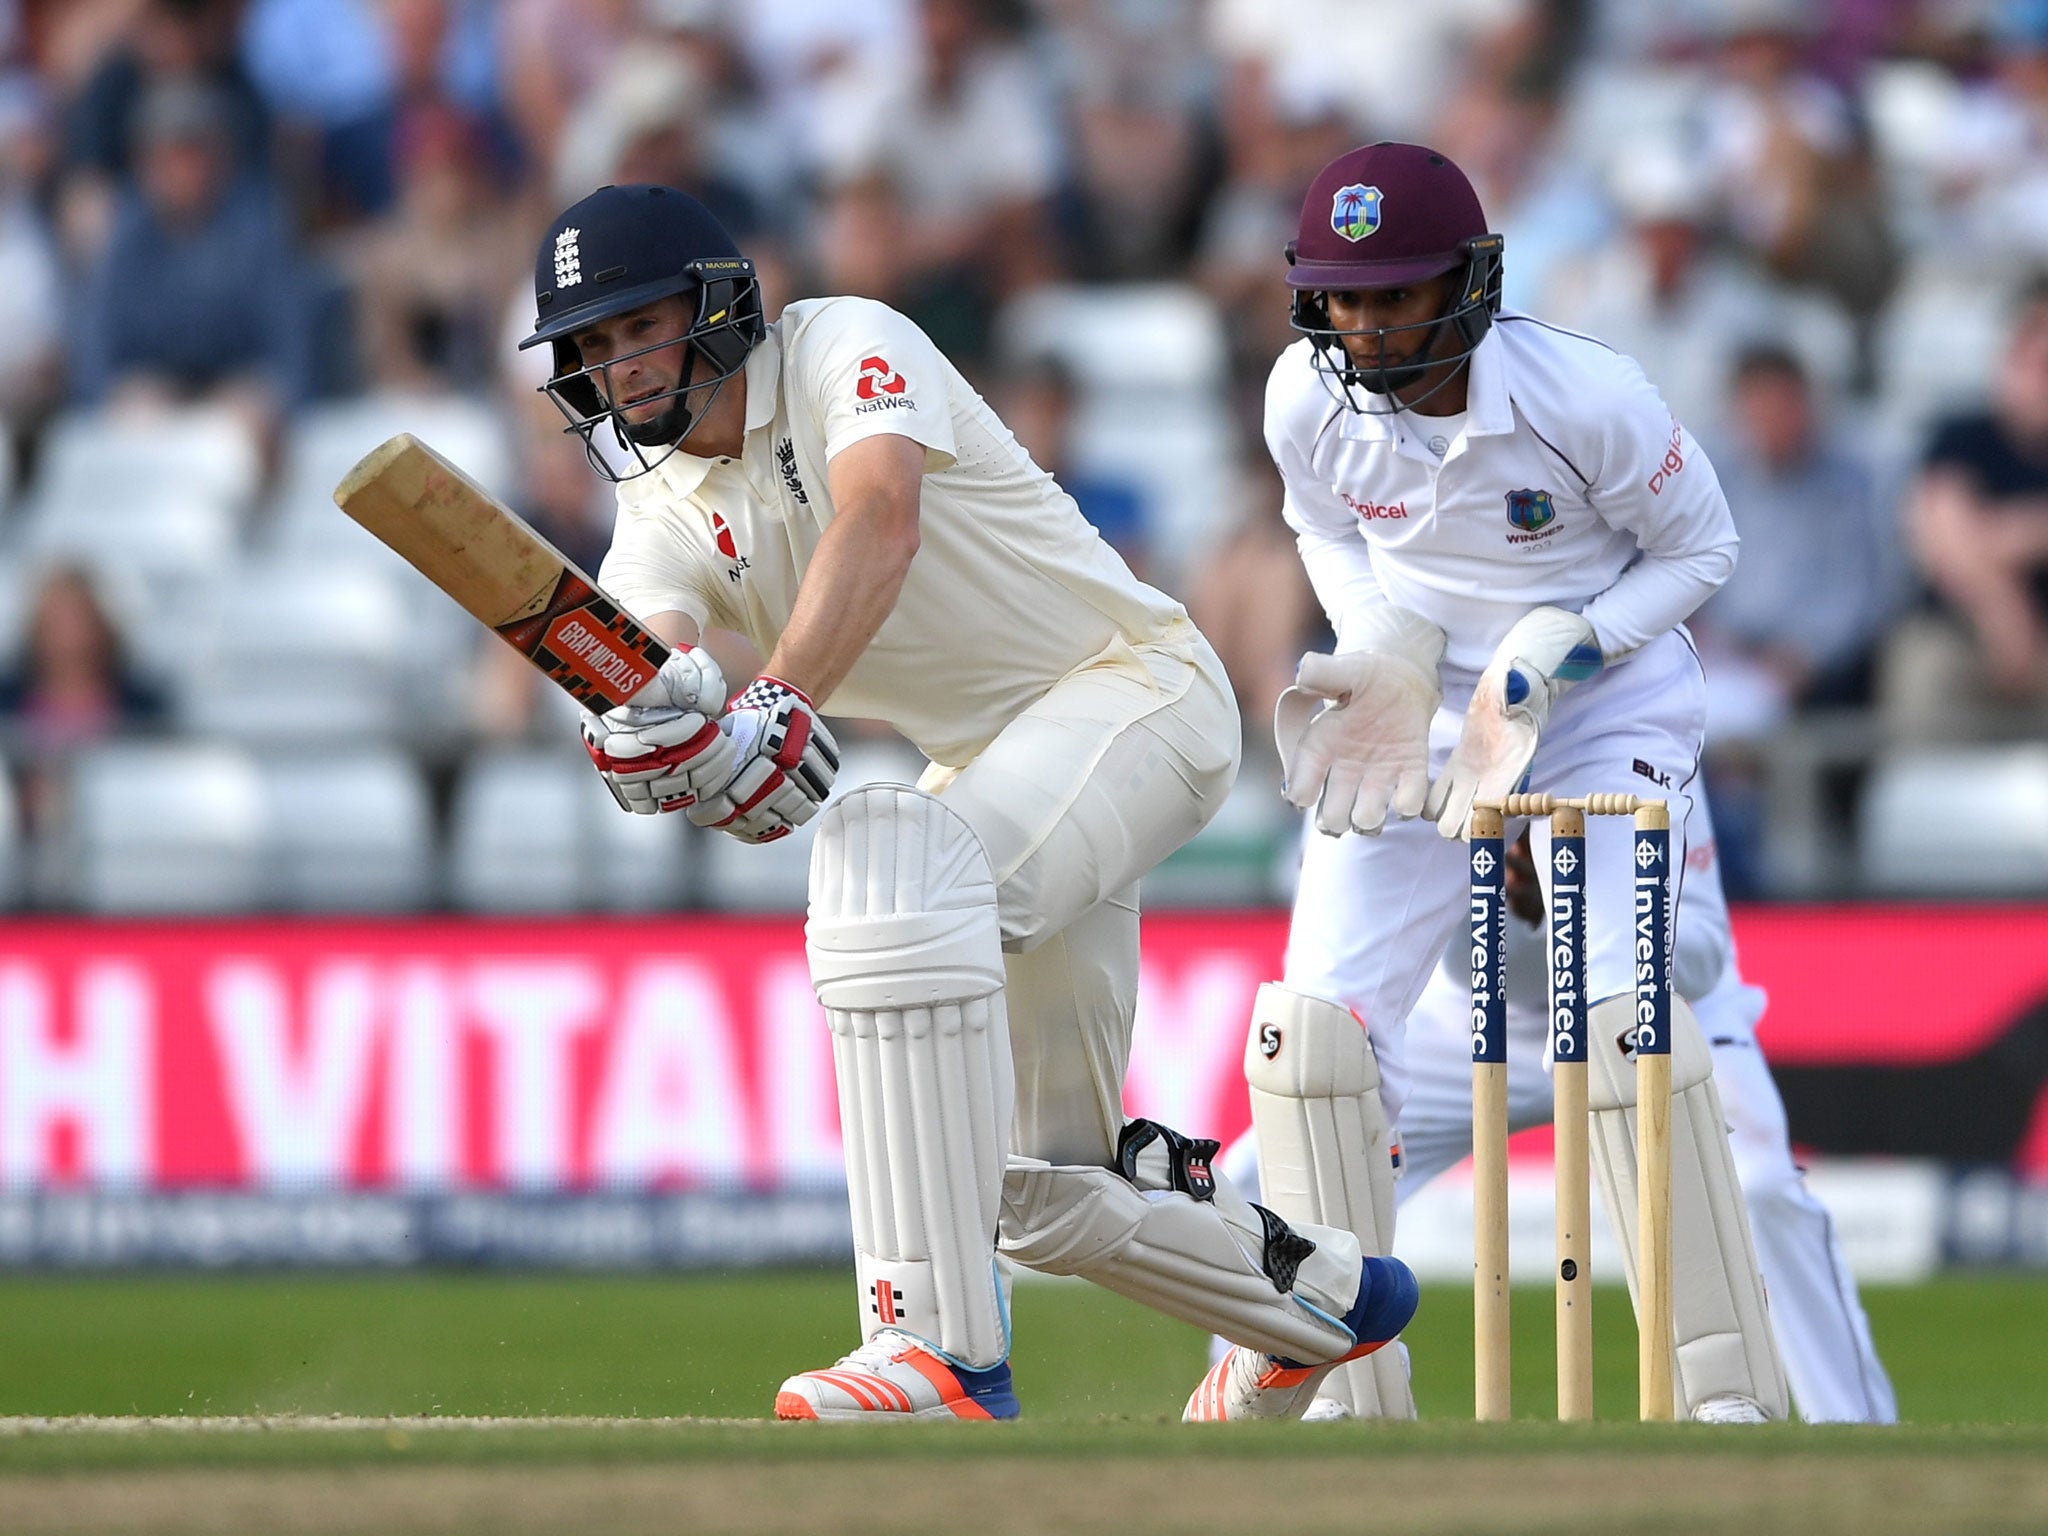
(620, 248)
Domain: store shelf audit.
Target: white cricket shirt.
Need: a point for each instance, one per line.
(1011, 589)
(1568, 484)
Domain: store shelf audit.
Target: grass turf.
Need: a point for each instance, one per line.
(676, 1365)
(666, 1346)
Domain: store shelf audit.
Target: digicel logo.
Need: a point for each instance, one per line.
(1369, 511)
(878, 378)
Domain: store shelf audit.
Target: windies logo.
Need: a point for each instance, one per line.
(1531, 510)
(877, 379)
(1355, 211)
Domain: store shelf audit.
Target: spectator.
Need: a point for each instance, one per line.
(1819, 581)
(1136, 90)
(72, 685)
(1660, 291)
(1785, 154)
(165, 42)
(1990, 157)
(431, 277)
(341, 74)
(31, 303)
(1977, 516)
(198, 294)
(964, 132)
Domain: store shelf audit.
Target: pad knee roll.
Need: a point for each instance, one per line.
(1326, 1151)
(907, 961)
(1719, 1314)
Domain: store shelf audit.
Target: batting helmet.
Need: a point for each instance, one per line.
(1387, 216)
(620, 248)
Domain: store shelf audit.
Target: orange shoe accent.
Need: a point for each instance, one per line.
(948, 1384)
(792, 1405)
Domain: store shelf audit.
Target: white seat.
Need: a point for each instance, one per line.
(168, 827)
(349, 833)
(326, 441)
(298, 650)
(1137, 336)
(92, 461)
(535, 830)
(171, 547)
(1957, 821)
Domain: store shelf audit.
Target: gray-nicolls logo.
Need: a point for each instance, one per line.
(568, 258)
(1269, 1040)
(785, 460)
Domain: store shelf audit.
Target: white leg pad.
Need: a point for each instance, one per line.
(1719, 1314)
(1210, 1258)
(1326, 1153)
(907, 960)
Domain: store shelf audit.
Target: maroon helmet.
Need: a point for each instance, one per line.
(1388, 216)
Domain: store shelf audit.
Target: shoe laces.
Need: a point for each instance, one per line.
(886, 1346)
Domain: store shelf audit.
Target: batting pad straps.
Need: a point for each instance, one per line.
(907, 961)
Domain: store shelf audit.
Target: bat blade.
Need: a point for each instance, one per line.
(492, 562)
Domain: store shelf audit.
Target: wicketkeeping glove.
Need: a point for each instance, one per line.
(1353, 731)
(1547, 651)
(661, 756)
(785, 761)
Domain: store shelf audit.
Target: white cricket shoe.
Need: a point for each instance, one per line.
(1246, 1384)
(895, 1376)
(1729, 1408)
(1325, 1410)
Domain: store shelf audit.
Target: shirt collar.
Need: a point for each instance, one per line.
(1488, 410)
(682, 472)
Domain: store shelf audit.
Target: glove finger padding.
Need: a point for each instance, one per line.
(785, 762)
(1350, 758)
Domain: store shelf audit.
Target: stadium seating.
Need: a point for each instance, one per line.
(167, 827)
(349, 833)
(1958, 820)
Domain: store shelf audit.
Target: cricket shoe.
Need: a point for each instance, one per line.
(1729, 1408)
(896, 1378)
(1246, 1384)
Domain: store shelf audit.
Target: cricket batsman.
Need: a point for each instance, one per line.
(830, 487)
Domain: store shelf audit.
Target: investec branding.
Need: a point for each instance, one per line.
(1489, 966)
(571, 636)
(1565, 907)
(1648, 947)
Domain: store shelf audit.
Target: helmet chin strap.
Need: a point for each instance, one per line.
(1384, 383)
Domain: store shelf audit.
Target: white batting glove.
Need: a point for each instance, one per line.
(784, 764)
(1547, 651)
(1353, 731)
(665, 752)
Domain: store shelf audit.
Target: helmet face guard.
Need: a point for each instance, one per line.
(1467, 316)
(725, 326)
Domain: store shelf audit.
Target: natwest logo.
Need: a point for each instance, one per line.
(1375, 511)
(878, 378)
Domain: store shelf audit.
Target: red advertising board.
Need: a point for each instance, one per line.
(687, 1053)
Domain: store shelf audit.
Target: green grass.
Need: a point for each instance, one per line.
(1961, 1350)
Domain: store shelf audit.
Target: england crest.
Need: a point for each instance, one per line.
(1531, 510)
(1355, 211)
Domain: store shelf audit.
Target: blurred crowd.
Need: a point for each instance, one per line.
(240, 239)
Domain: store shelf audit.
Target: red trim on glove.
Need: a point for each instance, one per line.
(791, 752)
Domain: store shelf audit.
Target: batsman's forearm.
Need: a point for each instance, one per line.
(850, 588)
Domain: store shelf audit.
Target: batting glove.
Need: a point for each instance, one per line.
(784, 764)
(666, 751)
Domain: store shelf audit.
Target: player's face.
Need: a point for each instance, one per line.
(1383, 309)
(643, 355)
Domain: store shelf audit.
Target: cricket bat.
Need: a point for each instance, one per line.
(490, 560)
